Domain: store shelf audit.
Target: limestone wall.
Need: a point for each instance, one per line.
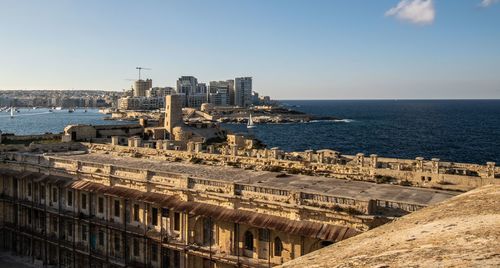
(301, 205)
(419, 172)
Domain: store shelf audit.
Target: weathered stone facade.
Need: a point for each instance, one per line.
(77, 209)
(328, 163)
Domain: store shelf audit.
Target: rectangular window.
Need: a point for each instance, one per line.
(117, 242)
(154, 252)
(100, 205)
(54, 195)
(29, 216)
(29, 188)
(136, 247)
(177, 221)
(177, 258)
(136, 212)
(208, 231)
(164, 212)
(101, 238)
(69, 229)
(84, 201)
(84, 232)
(41, 221)
(69, 198)
(154, 216)
(42, 191)
(54, 224)
(117, 208)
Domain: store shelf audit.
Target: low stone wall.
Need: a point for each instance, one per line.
(26, 139)
(43, 147)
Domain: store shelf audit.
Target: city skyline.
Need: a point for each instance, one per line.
(391, 49)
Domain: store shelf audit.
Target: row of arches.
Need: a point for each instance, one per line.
(256, 243)
(249, 243)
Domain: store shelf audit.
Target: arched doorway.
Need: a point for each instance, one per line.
(278, 247)
(248, 241)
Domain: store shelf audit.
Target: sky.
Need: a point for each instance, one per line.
(293, 49)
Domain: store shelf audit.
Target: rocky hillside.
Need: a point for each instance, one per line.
(463, 231)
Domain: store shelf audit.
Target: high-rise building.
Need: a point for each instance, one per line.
(201, 88)
(187, 85)
(231, 91)
(220, 92)
(243, 91)
(255, 98)
(196, 100)
(141, 87)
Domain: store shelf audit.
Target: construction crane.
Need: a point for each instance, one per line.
(141, 68)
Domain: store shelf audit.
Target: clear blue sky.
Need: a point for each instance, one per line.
(330, 49)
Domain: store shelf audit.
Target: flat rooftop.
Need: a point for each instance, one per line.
(310, 184)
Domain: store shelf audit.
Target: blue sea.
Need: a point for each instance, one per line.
(39, 121)
(452, 130)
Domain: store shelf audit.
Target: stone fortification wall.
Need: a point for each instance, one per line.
(296, 205)
(418, 172)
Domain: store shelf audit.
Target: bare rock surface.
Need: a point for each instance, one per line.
(463, 231)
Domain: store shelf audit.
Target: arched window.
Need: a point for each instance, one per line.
(208, 232)
(248, 240)
(278, 246)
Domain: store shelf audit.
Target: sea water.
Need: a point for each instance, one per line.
(452, 130)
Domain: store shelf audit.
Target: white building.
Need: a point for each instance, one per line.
(161, 91)
(187, 85)
(141, 103)
(220, 93)
(201, 88)
(243, 91)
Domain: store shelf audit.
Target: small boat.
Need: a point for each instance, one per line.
(250, 122)
(58, 108)
(71, 110)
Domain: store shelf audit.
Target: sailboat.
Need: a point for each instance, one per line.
(250, 122)
(11, 112)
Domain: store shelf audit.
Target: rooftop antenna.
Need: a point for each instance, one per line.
(141, 68)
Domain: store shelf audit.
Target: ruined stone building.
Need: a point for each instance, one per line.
(77, 209)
